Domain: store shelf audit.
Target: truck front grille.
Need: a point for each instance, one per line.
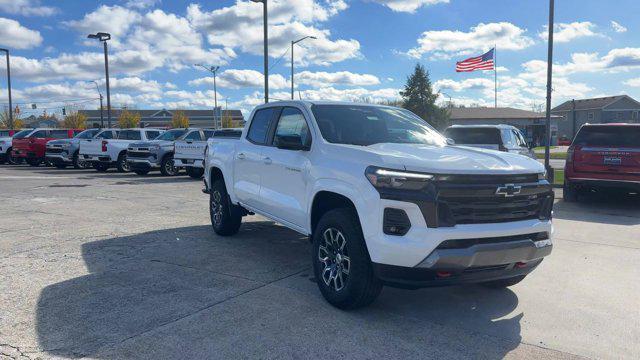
(54, 150)
(138, 154)
(478, 210)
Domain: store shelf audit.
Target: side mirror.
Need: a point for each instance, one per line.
(290, 142)
(450, 141)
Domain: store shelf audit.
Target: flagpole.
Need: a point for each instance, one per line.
(495, 73)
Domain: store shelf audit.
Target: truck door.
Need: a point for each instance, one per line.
(285, 175)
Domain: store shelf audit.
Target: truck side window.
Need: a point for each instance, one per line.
(194, 136)
(40, 134)
(209, 134)
(260, 126)
(292, 123)
(152, 134)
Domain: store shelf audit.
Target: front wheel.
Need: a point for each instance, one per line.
(79, 163)
(226, 218)
(195, 173)
(12, 159)
(341, 262)
(167, 168)
(122, 164)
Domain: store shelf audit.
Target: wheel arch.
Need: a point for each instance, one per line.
(326, 200)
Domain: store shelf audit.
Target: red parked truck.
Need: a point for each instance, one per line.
(32, 147)
(603, 156)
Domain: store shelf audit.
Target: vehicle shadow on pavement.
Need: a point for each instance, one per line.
(250, 296)
(606, 207)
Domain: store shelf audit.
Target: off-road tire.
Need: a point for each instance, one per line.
(166, 166)
(361, 286)
(226, 218)
(121, 164)
(77, 162)
(195, 173)
(503, 283)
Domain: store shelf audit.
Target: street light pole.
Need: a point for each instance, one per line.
(214, 70)
(101, 114)
(9, 86)
(292, 59)
(104, 37)
(266, 48)
(550, 173)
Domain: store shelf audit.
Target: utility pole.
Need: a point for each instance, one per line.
(550, 173)
(292, 59)
(104, 37)
(213, 70)
(265, 25)
(9, 86)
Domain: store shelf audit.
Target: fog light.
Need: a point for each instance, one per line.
(542, 243)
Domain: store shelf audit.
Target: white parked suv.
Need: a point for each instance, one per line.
(105, 153)
(505, 138)
(189, 150)
(383, 197)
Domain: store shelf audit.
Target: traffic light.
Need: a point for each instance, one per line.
(64, 112)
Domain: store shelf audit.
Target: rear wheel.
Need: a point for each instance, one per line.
(12, 159)
(101, 167)
(226, 218)
(569, 192)
(341, 261)
(195, 173)
(79, 163)
(34, 162)
(167, 168)
(503, 283)
(122, 164)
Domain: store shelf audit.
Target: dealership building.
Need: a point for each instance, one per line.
(162, 118)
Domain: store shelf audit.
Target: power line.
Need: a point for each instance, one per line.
(279, 58)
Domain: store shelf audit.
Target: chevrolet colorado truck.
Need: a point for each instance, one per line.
(32, 147)
(64, 152)
(105, 153)
(145, 156)
(189, 151)
(6, 144)
(384, 198)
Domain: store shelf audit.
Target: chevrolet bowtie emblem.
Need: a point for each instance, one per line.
(508, 190)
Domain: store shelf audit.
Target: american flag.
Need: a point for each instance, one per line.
(482, 62)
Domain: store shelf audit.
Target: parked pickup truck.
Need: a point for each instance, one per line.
(64, 152)
(384, 198)
(497, 137)
(189, 151)
(145, 156)
(106, 153)
(6, 143)
(32, 147)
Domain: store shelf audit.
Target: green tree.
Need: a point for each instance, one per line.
(6, 123)
(418, 97)
(75, 121)
(227, 120)
(128, 120)
(179, 120)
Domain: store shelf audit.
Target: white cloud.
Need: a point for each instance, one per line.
(617, 27)
(616, 60)
(115, 20)
(466, 84)
(347, 78)
(238, 79)
(16, 36)
(409, 6)
(635, 82)
(26, 8)
(444, 44)
(565, 32)
(240, 26)
(141, 4)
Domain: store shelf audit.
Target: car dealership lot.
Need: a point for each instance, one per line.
(110, 265)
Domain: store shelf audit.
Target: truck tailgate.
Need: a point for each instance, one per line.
(189, 149)
(91, 147)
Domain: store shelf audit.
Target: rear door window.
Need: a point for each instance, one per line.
(130, 135)
(209, 134)
(611, 136)
(152, 134)
(40, 134)
(59, 134)
(194, 136)
(260, 125)
(475, 135)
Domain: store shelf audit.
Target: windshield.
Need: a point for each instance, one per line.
(87, 134)
(614, 136)
(22, 134)
(368, 125)
(474, 136)
(171, 135)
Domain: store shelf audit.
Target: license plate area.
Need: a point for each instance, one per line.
(612, 160)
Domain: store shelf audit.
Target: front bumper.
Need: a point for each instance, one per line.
(196, 163)
(25, 154)
(137, 163)
(92, 158)
(57, 158)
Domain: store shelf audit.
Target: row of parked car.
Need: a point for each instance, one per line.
(140, 150)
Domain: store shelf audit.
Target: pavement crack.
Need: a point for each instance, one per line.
(13, 352)
(205, 270)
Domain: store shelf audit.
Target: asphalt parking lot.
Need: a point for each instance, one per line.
(115, 265)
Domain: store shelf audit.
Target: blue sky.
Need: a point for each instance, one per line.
(365, 50)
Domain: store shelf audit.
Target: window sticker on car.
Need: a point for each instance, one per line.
(610, 160)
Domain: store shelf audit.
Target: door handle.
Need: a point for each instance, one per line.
(241, 156)
(267, 160)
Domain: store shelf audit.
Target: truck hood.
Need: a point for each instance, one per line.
(62, 141)
(6, 138)
(451, 159)
(151, 142)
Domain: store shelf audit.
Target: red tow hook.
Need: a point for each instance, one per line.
(443, 274)
(521, 265)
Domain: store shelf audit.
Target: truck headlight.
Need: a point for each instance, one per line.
(396, 179)
(542, 176)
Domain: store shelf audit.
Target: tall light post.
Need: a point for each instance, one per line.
(9, 86)
(550, 173)
(101, 114)
(214, 70)
(292, 59)
(266, 48)
(101, 36)
(449, 96)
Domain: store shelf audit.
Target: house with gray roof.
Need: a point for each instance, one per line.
(610, 109)
(530, 123)
(162, 118)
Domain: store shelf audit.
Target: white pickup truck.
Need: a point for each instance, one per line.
(104, 153)
(189, 150)
(384, 198)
